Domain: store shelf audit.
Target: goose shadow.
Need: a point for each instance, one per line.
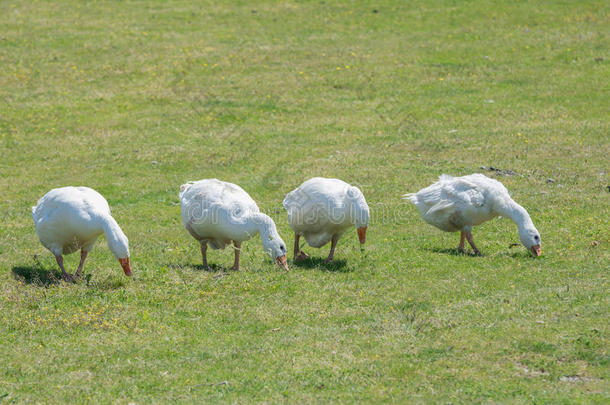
(37, 275)
(515, 254)
(41, 277)
(453, 252)
(336, 266)
(212, 268)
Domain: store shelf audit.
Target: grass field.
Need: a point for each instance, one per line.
(135, 98)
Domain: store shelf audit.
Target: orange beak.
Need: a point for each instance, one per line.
(125, 265)
(536, 250)
(282, 262)
(362, 235)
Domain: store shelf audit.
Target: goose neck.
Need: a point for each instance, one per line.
(515, 212)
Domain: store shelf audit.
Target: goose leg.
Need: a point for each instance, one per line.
(471, 241)
(462, 240)
(60, 261)
(204, 254)
(333, 244)
(83, 256)
(296, 245)
(237, 250)
(298, 253)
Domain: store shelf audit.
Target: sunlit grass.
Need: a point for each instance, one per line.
(135, 98)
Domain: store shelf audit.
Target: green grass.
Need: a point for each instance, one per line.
(135, 98)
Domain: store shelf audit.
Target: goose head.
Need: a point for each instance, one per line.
(360, 213)
(530, 238)
(118, 243)
(272, 242)
(120, 249)
(276, 248)
(528, 234)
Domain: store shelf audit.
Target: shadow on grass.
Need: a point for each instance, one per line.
(213, 268)
(37, 275)
(107, 284)
(41, 277)
(453, 252)
(515, 254)
(337, 266)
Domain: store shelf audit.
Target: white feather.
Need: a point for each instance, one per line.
(71, 218)
(459, 203)
(216, 212)
(320, 208)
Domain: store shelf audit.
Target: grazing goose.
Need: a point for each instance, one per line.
(216, 212)
(72, 218)
(458, 203)
(322, 210)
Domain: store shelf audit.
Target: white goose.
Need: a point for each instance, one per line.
(216, 212)
(458, 203)
(322, 210)
(72, 218)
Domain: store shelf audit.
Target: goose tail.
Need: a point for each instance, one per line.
(185, 187)
(411, 197)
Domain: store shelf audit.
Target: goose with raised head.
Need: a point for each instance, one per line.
(458, 203)
(71, 218)
(322, 210)
(217, 213)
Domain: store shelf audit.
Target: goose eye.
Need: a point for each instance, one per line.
(536, 237)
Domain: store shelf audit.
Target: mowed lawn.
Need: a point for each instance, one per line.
(135, 98)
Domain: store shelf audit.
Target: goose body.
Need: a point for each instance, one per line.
(459, 203)
(217, 213)
(71, 218)
(322, 210)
